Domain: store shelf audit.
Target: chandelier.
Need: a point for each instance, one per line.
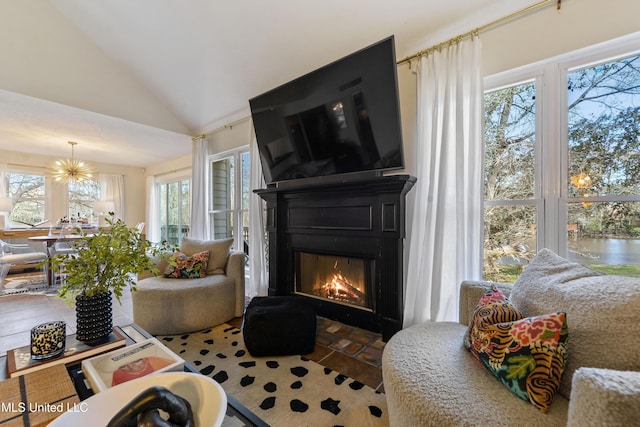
(71, 169)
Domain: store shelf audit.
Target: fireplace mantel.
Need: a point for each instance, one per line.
(359, 217)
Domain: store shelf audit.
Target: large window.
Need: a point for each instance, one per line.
(82, 195)
(229, 212)
(27, 191)
(562, 164)
(175, 203)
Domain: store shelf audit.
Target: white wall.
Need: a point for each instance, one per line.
(230, 137)
(77, 73)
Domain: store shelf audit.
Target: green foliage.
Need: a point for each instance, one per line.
(617, 270)
(603, 142)
(520, 366)
(106, 261)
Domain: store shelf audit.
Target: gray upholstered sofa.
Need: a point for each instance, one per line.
(166, 306)
(430, 378)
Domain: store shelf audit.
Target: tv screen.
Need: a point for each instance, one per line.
(343, 118)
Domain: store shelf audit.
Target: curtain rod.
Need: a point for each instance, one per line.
(227, 126)
(485, 27)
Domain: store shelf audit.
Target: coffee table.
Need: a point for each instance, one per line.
(237, 413)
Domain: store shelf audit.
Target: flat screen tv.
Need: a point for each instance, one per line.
(339, 120)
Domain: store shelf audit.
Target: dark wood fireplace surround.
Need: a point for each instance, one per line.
(359, 217)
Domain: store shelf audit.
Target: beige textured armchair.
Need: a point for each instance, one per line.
(430, 378)
(167, 306)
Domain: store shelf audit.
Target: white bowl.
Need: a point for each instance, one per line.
(207, 398)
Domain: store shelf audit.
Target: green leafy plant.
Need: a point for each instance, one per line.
(107, 260)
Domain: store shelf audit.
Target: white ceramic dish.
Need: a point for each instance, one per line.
(207, 398)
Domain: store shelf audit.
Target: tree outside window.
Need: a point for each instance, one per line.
(27, 192)
(175, 210)
(598, 205)
(82, 196)
(604, 166)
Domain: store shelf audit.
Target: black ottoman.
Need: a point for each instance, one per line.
(279, 326)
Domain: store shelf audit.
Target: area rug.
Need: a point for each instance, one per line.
(26, 284)
(283, 390)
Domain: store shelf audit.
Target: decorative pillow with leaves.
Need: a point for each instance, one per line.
(182, 266)
(527, 355)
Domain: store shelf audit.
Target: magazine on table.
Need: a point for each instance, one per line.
(128, 363)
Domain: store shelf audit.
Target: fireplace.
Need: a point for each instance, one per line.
(339, 279)
(339, 246)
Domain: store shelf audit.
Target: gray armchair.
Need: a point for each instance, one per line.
(168, 306)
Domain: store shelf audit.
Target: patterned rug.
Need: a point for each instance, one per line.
(284, 390)
(26, 284)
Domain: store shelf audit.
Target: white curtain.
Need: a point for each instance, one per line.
(112, 189)
(3, 179)
(199, 227)
(446, 232)
(152, 229)
(258, 275)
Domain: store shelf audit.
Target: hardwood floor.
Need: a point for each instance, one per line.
(351, 351)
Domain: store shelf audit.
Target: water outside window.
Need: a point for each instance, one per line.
(603, 213)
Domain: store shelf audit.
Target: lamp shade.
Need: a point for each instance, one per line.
(5, 204)
(103, 206)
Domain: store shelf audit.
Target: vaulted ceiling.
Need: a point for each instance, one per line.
(142, 77)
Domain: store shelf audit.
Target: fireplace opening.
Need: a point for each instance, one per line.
(339, 279)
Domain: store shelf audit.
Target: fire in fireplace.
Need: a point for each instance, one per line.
(340, 279)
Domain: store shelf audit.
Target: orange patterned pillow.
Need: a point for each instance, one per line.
(181, 266)
(526, 355)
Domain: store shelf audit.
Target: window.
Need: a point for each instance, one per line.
(82, 195)
(562, 163)
(175, 206)
(229, 213)
(511, 197)
(27, 191)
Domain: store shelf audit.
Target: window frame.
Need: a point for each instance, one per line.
(238, 210)
(93, 219)
(26, 170)
(176, 177)
(551, 193)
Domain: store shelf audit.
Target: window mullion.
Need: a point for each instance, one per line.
(553, 158)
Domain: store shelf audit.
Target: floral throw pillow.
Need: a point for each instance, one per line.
(527, 354)
(182, 266)
(492, 308)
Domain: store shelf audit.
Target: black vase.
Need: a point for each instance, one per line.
(94, 320)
